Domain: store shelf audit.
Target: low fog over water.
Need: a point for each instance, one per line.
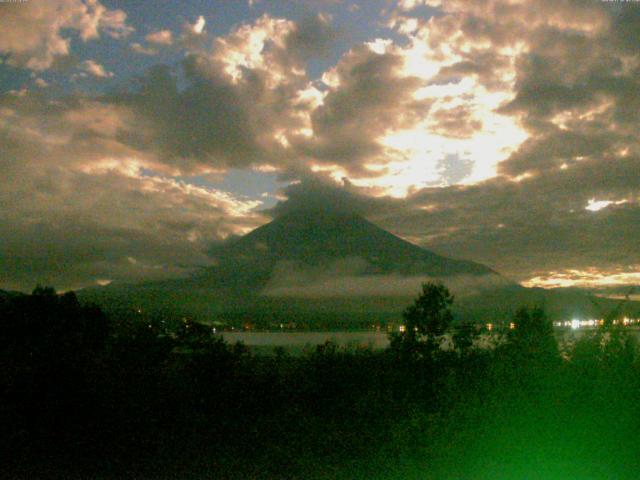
(298, 341)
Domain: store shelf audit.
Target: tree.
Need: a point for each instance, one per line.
(533, 336)
(425, 321)
(465, 336)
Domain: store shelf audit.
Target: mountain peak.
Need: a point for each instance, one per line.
(317, 238)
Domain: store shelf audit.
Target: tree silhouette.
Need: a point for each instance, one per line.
(464, 337)
(425, 321)
(533, 337)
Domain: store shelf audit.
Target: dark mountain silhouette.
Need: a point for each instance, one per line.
(316, 239)
(8, 294)
(308, 266)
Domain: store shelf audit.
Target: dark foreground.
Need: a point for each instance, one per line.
(84, 396)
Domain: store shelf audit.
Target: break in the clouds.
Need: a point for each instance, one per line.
(500, 131)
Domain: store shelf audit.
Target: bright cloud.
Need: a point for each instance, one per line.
(591, 278)
(245, 48)
(162, 37)
(35, 33)
(596, 205)
(196, 28)
(94, 69)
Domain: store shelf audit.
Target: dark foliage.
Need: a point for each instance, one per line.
(425, 321)
(532, 339)
(87, 398)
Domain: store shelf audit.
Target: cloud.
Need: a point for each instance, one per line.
(367, 94)
(35, 33)
(88, 202)
(197, 28)
(139, 48)
(317, 193)
(520, 228)
(456, 122)
(90, 167)
(348, 278)
(193, 35)
(94, 69)
(238, 102)
(161, 37)
(597, 205)
(207, 124)
(482, 132)
(311, 36)
(591, 278)
(566, 74)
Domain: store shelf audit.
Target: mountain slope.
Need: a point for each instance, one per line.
(315, 239)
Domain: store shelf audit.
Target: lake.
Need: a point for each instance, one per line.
(299, 341)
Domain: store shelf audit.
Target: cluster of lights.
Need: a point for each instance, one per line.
(575, 324)
(490, 326)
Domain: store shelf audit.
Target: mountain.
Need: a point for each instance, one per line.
(342, 244)
(7, 294)
(330, 269)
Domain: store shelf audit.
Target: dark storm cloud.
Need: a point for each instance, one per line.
(227, 112)
(311, 36)
(551, 150)
(207, 121)
(317, 193)
(368, 95)
(534, 225)
(79, 209)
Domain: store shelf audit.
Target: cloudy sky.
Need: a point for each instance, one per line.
(134, 135)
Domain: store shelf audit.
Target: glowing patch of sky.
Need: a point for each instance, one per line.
(249, 184)
(255, 185)
(422, 151)
(597, 205)
(416, 153)
(584, 278)
(250, 189)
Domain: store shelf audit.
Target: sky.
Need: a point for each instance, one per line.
(135, 135)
